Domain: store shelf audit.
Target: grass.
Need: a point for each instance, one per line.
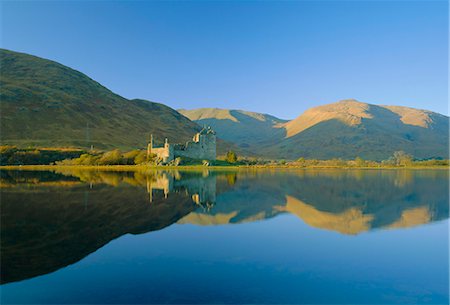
(202, 168)
(116, 167)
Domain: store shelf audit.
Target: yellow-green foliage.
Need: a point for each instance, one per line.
(141, 157)
(113, 157)
(231, 157)
(12, 155)
(129, 157)
(399, 159)
(359, 162)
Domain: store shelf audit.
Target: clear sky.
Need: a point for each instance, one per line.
(273, 57)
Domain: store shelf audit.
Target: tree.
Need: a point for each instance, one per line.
(85, 159)
(231, 157)
(360, 162)
(113, 157)
(129, 157)
(401, 158)
(141, 157)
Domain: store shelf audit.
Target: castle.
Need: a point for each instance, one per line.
(202, 147)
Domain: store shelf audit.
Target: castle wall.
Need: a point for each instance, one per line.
(204, 149)
(166, 153)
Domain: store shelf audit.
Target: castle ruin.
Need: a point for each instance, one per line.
(202, 147)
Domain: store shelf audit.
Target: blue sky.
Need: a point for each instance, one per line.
(273, 57)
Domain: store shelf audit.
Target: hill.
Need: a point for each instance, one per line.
(345, 129)
(246, 129)
(350, 128)
(44, 103)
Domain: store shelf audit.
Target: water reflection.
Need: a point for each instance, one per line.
(52, 219)
(349, 202)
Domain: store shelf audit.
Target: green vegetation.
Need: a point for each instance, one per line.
(113, 157)
(134, 157)
(231, 157)
(11, 155)
(399, 159)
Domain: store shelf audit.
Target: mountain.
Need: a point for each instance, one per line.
(345, 129)
(245, 129)
(44, 103)
(350, 128)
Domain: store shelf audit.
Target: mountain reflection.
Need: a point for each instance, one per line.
(349, 202)
(52, 219)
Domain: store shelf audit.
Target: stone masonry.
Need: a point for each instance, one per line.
(202, 147)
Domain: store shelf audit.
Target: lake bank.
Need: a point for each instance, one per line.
(202, 168)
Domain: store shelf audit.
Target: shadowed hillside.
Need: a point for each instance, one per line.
(44, 103)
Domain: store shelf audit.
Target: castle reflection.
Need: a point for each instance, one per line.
(202, 191)
(52, 219)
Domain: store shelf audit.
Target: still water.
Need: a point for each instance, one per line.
(298, 237)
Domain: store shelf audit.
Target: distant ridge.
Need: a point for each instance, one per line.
(345, 129)
(352, 112)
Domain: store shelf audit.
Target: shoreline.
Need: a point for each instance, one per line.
(202, 168)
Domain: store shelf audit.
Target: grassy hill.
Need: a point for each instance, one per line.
(345, 129)
(44, 103)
